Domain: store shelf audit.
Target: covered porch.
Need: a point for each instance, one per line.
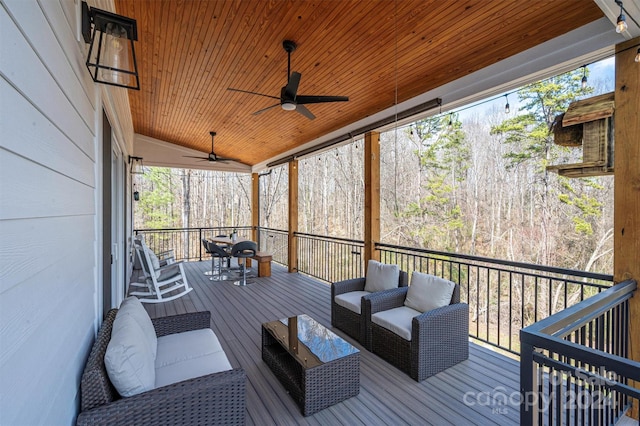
(472, 392)
(67, 188)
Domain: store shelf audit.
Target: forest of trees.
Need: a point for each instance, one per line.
(473, 183)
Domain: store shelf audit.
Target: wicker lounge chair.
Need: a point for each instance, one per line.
(353, 323)
(217, 398)
(439, 337)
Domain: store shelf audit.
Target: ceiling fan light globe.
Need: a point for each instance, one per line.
(288, 106)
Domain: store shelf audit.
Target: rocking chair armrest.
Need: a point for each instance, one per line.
(347, 286)
(181, 323)
(385, 300)
(169, 266)
(165, 255)
(212, 399)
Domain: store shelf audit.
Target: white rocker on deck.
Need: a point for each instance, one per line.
(162, 283)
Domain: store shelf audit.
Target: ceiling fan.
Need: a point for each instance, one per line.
(213, 157)
(289, 98)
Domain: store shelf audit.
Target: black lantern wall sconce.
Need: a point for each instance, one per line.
(112, 58)
(136, 165)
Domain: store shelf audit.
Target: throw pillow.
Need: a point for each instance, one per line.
(129, 362)
(131, 305)
(381, 277)
(154, 260)
(428, 292)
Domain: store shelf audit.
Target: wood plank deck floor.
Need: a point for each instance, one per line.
(387, 396)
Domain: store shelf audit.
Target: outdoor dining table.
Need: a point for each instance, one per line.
(224, 240)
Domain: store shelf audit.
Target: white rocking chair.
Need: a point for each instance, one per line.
(162, 284)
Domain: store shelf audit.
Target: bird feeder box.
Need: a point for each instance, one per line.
(587, 123)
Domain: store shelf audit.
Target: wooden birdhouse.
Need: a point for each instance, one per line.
(587, 123)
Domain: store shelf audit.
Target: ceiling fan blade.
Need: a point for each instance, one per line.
(225, 160)
(291, 89)
(193, 156)
(308, 99)
(304, 111)
(265, 109)
(252, 93)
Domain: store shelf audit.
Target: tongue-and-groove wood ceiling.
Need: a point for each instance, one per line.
(190, 52)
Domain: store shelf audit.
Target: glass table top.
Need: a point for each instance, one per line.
(310, 342)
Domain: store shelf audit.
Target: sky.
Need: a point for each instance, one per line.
(602, 71)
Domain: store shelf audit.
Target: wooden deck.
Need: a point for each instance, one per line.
(387, 396)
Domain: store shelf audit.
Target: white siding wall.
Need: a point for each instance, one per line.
(50, 212)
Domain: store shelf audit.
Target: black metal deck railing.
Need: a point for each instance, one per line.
(276, 242)
(186, 242)
(330, 259)
(573, 365)
(503, 296)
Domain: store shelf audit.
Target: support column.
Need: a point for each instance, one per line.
(255, 206)
(371, 196)
(293, 215)
(626, 198)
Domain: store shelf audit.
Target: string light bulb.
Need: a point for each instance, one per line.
(584, 76)
(638, 55)
(621, 23)
(450, 125)
(507, 108)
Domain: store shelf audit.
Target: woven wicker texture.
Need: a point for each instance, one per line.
(317, 388)
(439, 338)
(355, 325)
(215, 399)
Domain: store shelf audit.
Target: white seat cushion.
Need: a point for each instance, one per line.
(396, 320)
(129, 361)
(131, 305)
(351, 300)
(428, 292)
(187, 355)
(381, 277)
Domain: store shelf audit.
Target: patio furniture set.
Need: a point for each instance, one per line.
(169, 370)
(422, 329)
(173, 370)
(223, 248)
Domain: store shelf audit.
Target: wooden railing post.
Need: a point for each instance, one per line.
(371, 196)
(293, 216)
(626, 199)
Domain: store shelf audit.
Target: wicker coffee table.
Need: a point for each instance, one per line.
(317, 367)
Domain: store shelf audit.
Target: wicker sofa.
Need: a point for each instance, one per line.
(217, 398)
(439, 337)
(353, 323)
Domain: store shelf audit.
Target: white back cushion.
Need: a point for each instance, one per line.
(428, 292)
(129, 362)
(131, 305)
(155, 262)
(381, 277)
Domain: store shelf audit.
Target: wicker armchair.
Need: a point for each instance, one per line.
(439, 338)
(354, 324)
(213, 399)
